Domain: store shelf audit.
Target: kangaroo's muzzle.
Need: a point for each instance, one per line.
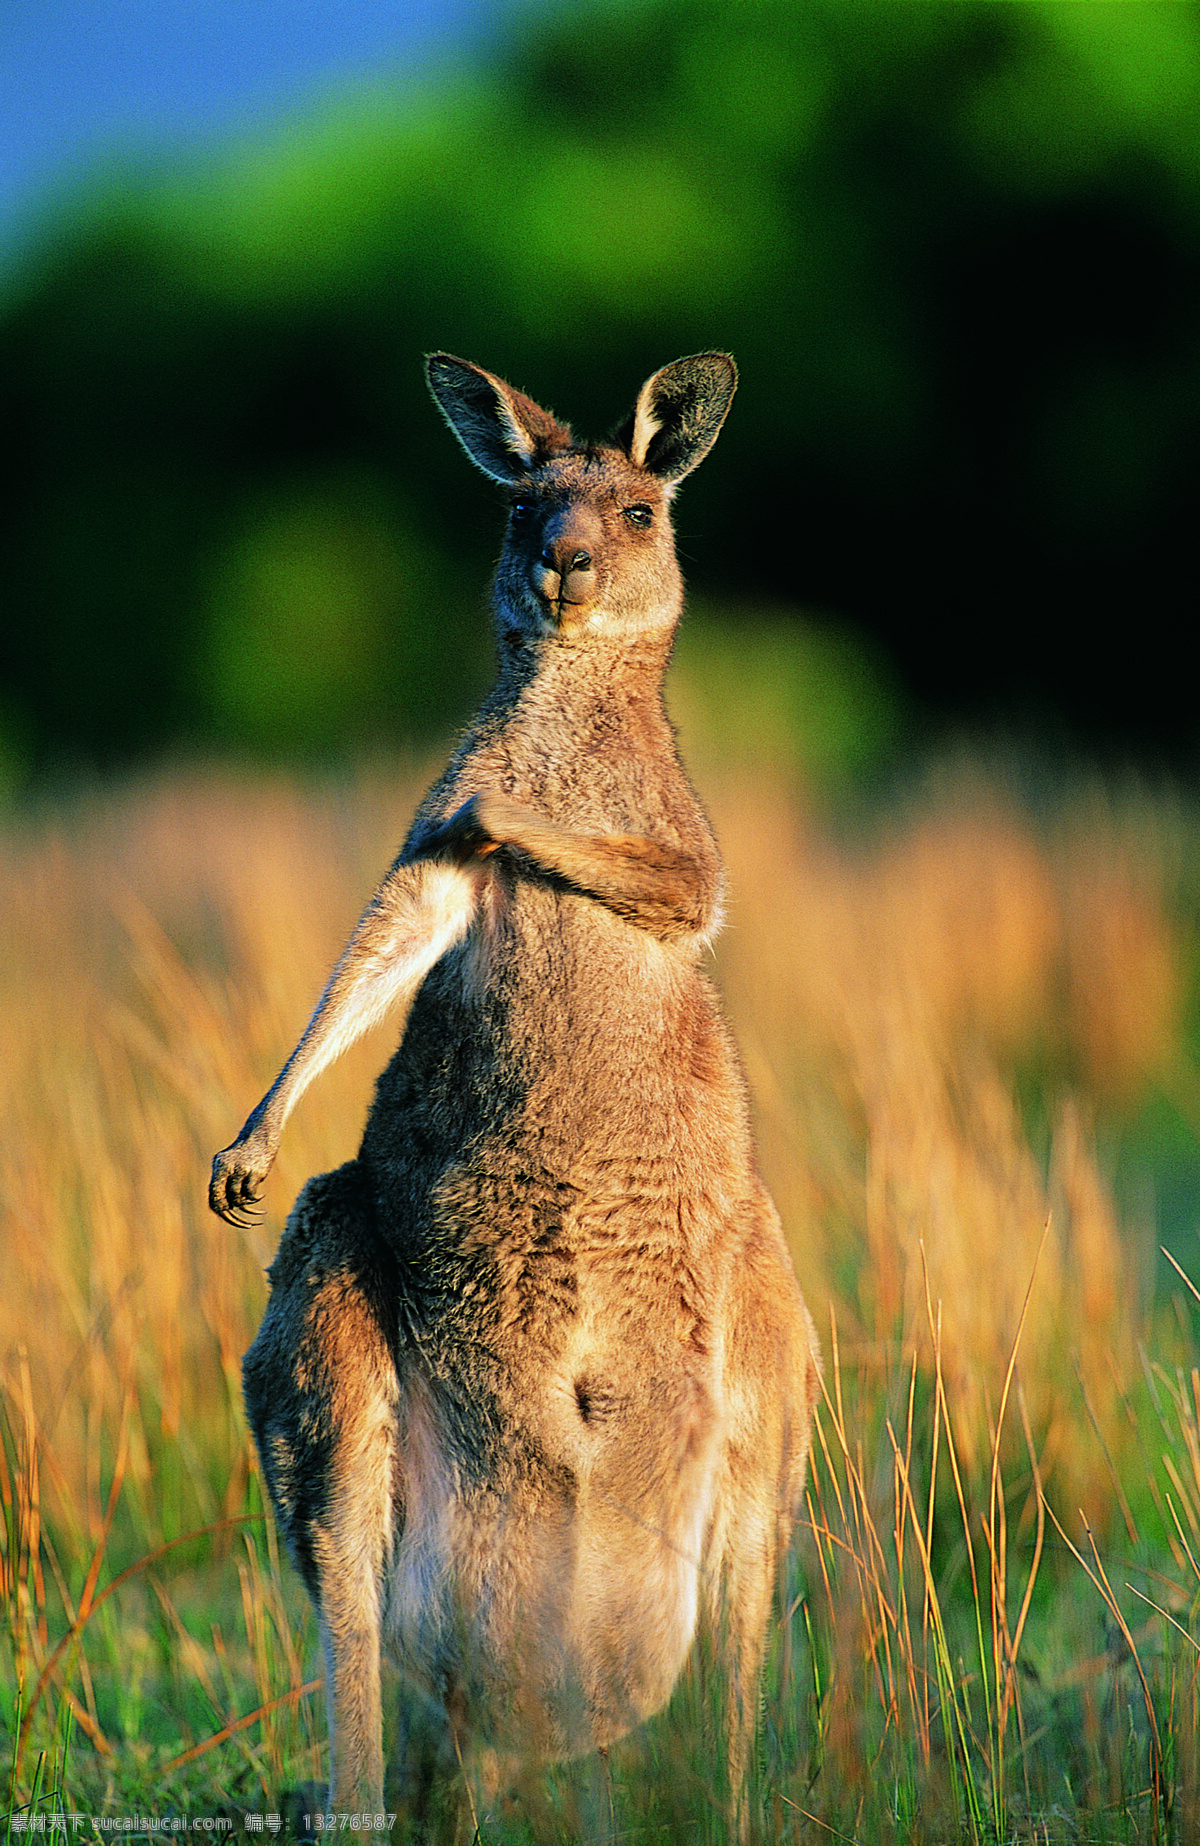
(565, 574)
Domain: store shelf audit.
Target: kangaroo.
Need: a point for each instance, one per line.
(534, 1386)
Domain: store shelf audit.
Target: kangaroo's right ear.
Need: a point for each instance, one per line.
(504, 432)
(678, 415)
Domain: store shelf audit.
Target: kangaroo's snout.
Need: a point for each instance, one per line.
(565, 571)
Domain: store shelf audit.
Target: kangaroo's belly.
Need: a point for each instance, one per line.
(555, 1149)
(546, 1586)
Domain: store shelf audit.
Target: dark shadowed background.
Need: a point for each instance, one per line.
(954, 247)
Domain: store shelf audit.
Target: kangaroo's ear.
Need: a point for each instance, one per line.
(678, 415)
(504, 432)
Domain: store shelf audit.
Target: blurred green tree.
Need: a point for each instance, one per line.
(954, 245)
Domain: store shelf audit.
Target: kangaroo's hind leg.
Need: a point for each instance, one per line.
(772, 1384)
(321, 1393)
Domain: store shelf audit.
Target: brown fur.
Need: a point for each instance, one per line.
(534, 1387)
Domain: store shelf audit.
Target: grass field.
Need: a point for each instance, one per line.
(967, 1020)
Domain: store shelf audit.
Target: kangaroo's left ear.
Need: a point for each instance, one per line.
(678, 415)
(504, 432)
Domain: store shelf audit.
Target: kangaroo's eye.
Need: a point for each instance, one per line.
(640, 515)
(521, 510)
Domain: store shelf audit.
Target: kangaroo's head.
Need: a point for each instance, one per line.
(589, 553)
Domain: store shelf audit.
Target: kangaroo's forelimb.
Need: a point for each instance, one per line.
(660, 888)
(421, 909)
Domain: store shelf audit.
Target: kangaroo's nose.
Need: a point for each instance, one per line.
(562, 559)
(566, 572)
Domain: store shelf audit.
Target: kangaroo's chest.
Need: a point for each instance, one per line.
(555, 1023)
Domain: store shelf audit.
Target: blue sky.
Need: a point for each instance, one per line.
(84, 80)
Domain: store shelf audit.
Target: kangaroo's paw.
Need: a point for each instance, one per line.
(483, 823)
(238, 1172)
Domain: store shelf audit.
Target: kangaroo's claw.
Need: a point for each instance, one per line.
(472, 832)
(484, 823)
(233, 1190)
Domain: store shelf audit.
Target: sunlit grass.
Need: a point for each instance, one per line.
(988, 1627)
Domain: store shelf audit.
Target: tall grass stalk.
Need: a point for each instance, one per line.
(920, 1656)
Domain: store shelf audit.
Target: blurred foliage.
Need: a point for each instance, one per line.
(955, 247)
(772, 693)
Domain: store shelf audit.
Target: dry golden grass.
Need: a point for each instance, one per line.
(894, 990)
(885, 994)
